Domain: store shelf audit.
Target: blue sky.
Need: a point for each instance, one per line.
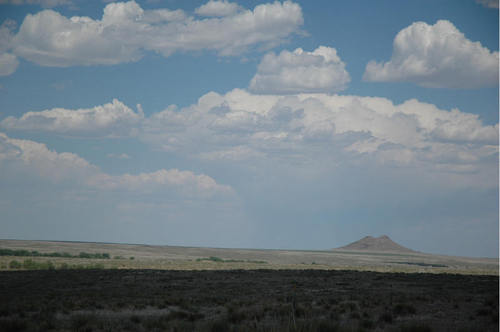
(302, 125)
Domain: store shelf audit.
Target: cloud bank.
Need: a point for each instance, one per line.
(239, 126)
(36, 159)
(311, 131)
(126, 31)
(436, 56)
(301, 72)
(112, 119)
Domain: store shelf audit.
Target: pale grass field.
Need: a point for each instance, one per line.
(191, 258)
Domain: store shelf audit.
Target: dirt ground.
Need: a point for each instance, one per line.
(246, 300)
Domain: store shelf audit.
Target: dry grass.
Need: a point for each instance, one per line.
(245, 300)
(185, 258)
(207, 289)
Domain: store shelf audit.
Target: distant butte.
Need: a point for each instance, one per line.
(370, 243)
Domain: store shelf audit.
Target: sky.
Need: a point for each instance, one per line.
(251, 124)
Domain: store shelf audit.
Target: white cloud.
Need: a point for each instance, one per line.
(218, 8)
(436, 56)
(126, 31)
(112, 119)
(39, 160)
(8, 64)
(295, 129)
(301, 72)
(488, 3)
(6, 34)
(183, 182)
(8, 61)
(43, 3)
(305, 128)
(35, 158)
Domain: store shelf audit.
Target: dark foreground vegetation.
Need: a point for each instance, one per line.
(252, 300)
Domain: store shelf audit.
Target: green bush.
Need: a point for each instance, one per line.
(34, 253)
(29, 264)
(15, 265)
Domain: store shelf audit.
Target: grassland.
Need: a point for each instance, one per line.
(245, 300)
(160, 288)
(134, 256)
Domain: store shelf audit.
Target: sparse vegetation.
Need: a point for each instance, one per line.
(421, 264)
(237, 300)
(29, 264)
(35, 253)
(238, 291)
(15, 264)
(403, 309)
(220, 260)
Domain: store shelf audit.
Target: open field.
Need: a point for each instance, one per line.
(191, 258)
(164, 288)
(245, 300)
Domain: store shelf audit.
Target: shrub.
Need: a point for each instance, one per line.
(135, 319)
(386, 317)
(416, 327)
(81, 321)
(367, 324)
(215, 259)
(16, 324)
(404, 309)
(30, 264)
(327, 326)
(15, 264)
(220, 325)
(235, 316)
(34, 253)
(95, 255)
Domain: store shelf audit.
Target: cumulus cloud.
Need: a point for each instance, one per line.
(241, 126)
(301, 72)
(184, 182)
(218, 8)
(8, 64)
(37, 159)
(112, 119)
(8, 61)
(126, 31)
(436, 56)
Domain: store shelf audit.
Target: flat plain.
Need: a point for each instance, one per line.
(163, 288)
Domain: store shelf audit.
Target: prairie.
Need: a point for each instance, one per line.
(209, 289)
